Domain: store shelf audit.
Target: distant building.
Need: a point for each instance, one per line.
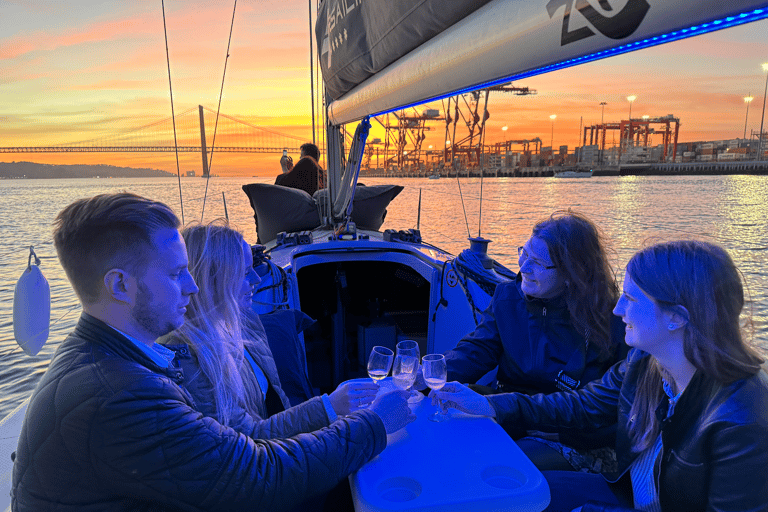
(190, 174)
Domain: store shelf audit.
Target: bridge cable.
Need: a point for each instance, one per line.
(173, 115)
(218, 109)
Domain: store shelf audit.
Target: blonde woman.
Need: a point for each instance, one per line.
(223, 351)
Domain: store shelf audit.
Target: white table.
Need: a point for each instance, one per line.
(465, 463)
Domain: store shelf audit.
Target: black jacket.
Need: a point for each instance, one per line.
(306, 175)
(532, 341)
(714, 447)
(107, 429)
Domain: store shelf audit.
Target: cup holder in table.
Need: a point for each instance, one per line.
(399, 489)
(503, 477)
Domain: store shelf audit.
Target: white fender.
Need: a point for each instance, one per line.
(31, 310)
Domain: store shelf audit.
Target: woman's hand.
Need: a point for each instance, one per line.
(464, 399)
(351, 396)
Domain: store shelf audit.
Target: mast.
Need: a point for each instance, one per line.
(311, 73)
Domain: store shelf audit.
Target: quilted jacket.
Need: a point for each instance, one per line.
(531, 341)
(714, 446)
(107, 429)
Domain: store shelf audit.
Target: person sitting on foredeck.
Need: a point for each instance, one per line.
(110, 428)
(550, 329)
(222, 347)
(306, 174)
(690, 401)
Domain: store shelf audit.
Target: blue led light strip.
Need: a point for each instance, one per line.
(695, 30)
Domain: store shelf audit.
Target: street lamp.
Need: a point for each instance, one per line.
(602, 127)
(762, 118)
(747, 100)
(646, 117)
(552, 137)
(630, 99)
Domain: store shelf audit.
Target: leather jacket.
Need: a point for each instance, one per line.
(714, 447)
(108, 429)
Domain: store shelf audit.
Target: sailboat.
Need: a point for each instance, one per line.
(336, 257)
(324, 254)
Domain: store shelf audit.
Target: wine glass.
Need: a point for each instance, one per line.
(379, 363)
(410, 348)
(435, 374)
(404, 371)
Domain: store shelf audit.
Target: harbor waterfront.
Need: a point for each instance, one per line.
(728, 209)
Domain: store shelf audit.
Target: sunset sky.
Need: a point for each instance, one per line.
(90, 69)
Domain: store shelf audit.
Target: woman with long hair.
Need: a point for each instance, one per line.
(222, 346)
(550, 329)
(690, 402)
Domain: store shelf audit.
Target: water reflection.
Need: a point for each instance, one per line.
(729, 210)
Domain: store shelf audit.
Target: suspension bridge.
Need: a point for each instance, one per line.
(225, 135)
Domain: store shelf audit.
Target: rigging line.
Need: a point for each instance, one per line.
(482, 162)
(173, 115)
(218, 109)
(462, 205)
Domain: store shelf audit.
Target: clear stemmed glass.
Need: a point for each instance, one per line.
(410, 348)
(435, 374)
(379, 363)
(404, 371)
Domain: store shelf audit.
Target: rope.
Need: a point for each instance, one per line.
(469, 263)
(218, 109)
(173, 115)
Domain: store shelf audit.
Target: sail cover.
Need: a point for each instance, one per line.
(505, 40)
(359, 38)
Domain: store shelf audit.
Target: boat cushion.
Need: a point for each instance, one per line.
(277, 208)
(283, 327)
(369, 206)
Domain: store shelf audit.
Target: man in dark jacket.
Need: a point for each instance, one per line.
(109, 428)
(307, 174)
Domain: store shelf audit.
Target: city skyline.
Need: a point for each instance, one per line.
(89, 68)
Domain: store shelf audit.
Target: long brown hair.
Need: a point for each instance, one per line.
(701, 277)
(578, 249)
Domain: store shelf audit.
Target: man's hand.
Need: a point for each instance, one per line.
(393, 410)
(352, 395)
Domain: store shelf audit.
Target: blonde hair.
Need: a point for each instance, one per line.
(216, 328)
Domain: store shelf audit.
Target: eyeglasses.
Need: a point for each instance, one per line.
(523, 255)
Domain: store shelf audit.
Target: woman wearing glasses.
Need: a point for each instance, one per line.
(551, 329)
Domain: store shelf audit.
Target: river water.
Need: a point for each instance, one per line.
(730, 210)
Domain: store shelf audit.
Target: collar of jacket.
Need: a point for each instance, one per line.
(536, 306)
(93, 330)
(688, 409)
